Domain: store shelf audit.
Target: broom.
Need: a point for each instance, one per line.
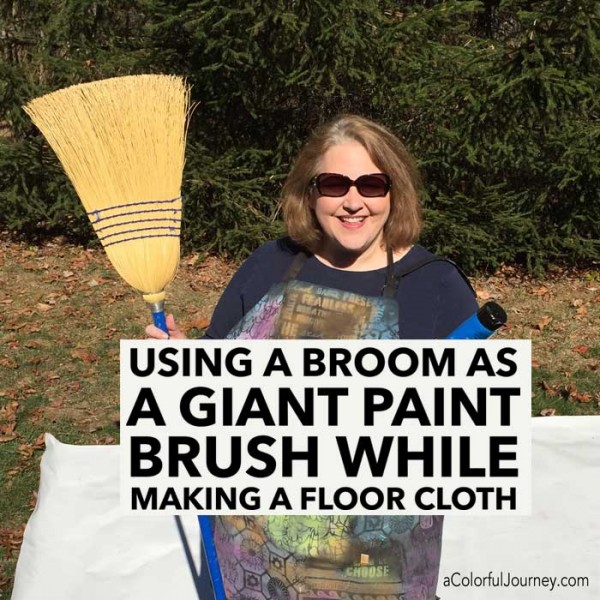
(121, 142)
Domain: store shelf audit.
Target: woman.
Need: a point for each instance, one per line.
(349, 269)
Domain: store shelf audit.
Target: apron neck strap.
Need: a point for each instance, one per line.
(389, 289)
(295, 267)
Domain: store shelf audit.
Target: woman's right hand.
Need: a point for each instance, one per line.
(154, 333)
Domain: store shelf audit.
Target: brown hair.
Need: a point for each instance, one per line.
(403, 225)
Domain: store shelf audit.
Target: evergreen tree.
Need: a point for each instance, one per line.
(45, 46)
(497, 99)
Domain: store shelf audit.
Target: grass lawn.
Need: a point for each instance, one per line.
(63, 311)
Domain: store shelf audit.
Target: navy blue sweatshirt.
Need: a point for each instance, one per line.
(433, 298)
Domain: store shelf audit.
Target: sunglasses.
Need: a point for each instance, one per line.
(375, 185)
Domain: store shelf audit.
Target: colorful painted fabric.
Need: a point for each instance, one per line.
(299, 310)
(314, 557)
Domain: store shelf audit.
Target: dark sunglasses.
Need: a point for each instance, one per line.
(334, 185)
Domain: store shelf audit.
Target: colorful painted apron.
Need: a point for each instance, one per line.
(315, 557)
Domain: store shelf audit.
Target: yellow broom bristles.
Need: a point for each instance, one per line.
(121, 142)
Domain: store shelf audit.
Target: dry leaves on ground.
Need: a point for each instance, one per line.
(11, 539)
(8, 421)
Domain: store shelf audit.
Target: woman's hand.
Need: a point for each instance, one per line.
(175, 333)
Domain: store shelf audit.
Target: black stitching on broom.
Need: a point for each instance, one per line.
(141, 237)
(99, 229)
(97, 211)
(135, 212)
(136, 230)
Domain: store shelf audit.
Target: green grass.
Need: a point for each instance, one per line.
(61, 364)
(565, 393)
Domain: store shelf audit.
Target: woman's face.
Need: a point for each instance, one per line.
(352, 224)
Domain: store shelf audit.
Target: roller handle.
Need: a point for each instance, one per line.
(482, 324)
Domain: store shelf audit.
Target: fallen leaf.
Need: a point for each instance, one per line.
(543, 322)
(25, 451)
(39, 443)
(582, 397)
(67, 274)
(191, 260)
(581, 349)
(483, 294)
(43, 307)
(8, 363)
(8, 421)
(27, 390)
(85, 355)
(110, 333)
(32, 328)
(548, 412)
(37, 415)
(198, 323)
(106, 440)
(11, 540)
(550, 390)
(7, 432)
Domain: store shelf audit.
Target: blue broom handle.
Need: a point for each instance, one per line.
(212, 558)
(160, 320)
(210, 551)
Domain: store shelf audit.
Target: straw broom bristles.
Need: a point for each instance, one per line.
(121, 142)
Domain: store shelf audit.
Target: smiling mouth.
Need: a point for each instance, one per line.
(352, 219)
